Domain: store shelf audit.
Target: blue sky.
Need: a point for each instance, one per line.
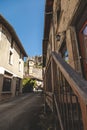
(27, 19)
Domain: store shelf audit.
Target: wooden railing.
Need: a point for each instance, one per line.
(66, 94)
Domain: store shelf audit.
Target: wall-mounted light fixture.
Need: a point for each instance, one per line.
(58, 36)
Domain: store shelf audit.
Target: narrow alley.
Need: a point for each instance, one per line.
(43, 65)
(21, 113)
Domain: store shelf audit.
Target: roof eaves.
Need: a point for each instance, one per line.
(4, 22)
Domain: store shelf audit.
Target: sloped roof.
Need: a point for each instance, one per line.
(10, 29)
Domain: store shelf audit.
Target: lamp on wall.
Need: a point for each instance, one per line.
(59, 35)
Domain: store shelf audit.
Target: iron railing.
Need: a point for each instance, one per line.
(66, 94)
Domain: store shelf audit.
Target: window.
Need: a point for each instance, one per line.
(80, 23)
(12, 44)
(58, 15)
(83, 47)
(21, 56)
(64, 52)
(11, 58)
(85, 42)
(7, 84)
(19, 66)
(65, 55)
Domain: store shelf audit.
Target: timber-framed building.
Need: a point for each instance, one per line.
(65, 62)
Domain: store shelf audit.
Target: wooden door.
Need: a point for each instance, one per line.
(83, 48)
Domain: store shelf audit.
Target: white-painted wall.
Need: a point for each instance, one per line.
(5, 48)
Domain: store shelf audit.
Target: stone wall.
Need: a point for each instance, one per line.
(68, 9)
(63, 28)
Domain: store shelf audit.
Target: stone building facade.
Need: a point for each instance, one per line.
(12, 56)
(65, 32)
(38, 60)
(33, 67)
(65, 62)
